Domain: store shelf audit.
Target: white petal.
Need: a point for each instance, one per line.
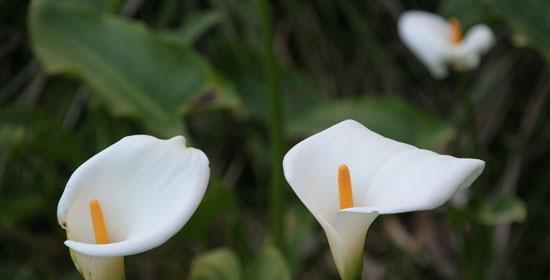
(346, 236)
(428, 37)
(148, 189)
(477, 42)
(419, 180)
(99, 268)
(387, 176)
(479, 38)
(311, 166)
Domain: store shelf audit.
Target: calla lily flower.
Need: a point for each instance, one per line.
(347, 175)
(439, 43)
(131, 197)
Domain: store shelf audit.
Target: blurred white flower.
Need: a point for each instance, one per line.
(439, 44)
(130, 198)
(347, 175)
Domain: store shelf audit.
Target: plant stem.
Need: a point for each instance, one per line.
(276, 126)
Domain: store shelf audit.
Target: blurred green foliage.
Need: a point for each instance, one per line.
(408, 124)
(74, 39)
(77, 75)
(502, 210)
(224, 264)
(529, 19)
(217, 264)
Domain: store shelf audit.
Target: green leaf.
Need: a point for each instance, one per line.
(529, 19)
(389, 116)
(108, 6)
(504, 209)
(270, 265)
(135, 71)
(220, 264)
(197, 25)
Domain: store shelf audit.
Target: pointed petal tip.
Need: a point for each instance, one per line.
(351, 123)
(347, 124)
(178, 139)
(474, 167)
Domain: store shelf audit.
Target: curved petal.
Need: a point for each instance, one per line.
(419, 179)
(387, 176)
(477, 41)
(428, 37)
(346, 237)
(479, 38)
(311, 166)
(98, 268)
(148, 189)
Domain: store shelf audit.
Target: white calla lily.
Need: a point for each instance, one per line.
(386, 177)
(147, 189)
(438, 43)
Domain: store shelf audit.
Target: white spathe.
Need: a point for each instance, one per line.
(428, 36)
(148, 189)
(387, 177)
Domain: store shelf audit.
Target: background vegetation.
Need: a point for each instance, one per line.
(77, 75)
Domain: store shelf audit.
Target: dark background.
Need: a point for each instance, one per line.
(74, 76)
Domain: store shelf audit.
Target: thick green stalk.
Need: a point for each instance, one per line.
(276, 126)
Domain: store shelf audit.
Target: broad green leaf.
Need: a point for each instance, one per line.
(503, 210)
(196, 25)
(389, 116)
(220, 264)
(529, 19)
(135, 71)
(270, 265)
(108, 6)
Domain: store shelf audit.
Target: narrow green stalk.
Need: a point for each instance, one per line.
(276, 126)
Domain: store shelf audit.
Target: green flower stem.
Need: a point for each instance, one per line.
(276, 126)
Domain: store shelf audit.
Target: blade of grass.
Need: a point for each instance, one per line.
(276, 125)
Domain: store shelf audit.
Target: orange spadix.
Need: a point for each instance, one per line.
(456, 31)
(344, 187)
(100, 229)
